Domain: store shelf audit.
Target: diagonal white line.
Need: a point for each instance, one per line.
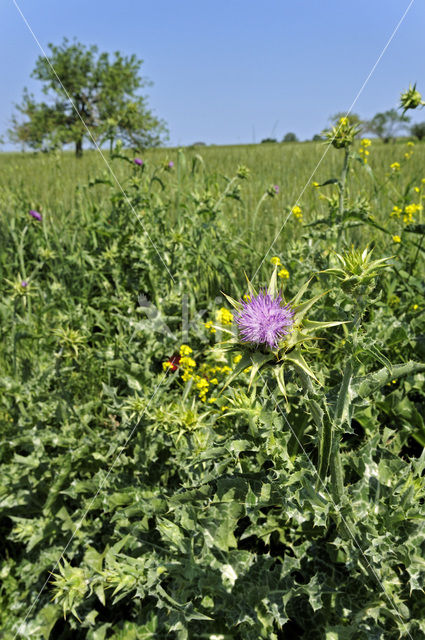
(336, 507)
(396, 28)
(92, 138)
(83, 517)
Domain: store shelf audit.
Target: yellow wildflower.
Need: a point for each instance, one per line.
(202, 383)
(237, 358)
(415, 307)
(410, 144)
(366, 142)
(283, 273)
(423, 180)
(315, 184)
(185, 350)
(416, 189)
(396, 239)
(209, 325)
(247, 297)
(275, 260)
(187, 362)
(397, 211)
(409, 211)
(224, 316)
(395, 166)
(297, 213)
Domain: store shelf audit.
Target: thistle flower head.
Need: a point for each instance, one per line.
(411, 99)
(264, 320)
(35, 215)
(138, 161)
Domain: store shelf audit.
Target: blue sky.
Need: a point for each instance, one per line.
(232, 71)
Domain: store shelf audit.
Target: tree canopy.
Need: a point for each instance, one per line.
(387, 125)
(86, 92)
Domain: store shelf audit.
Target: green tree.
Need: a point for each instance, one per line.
(418, 130)
(387, 125)
(290, 137)
(86, 89)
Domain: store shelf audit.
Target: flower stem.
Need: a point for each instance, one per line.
(342, 185)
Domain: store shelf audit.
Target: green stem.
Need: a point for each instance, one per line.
(342, 185)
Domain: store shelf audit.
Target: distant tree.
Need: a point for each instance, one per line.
(267, 140)
(387, 125)
(418, 130)
(317, 137)
(290, 137)
(104, 94)
(199, 144)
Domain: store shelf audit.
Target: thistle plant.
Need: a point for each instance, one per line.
(411, 99)
(342, 136)
(273, 334)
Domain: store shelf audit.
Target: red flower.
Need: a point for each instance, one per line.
(174, 362)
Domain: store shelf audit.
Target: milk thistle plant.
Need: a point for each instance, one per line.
(272, 334)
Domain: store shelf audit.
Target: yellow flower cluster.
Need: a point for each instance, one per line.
(283, 273)
(395, 166)
(206, 376)
(185, 350)
(396, 239)
(396, 212)
(364, 151)
(209, 326)
(296, 211)
(315, 184)
(409, 153)
(224, 316)
(408, 212)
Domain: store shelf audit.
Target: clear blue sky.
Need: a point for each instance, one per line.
(232, 71)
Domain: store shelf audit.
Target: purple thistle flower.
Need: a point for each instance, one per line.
(263, 319)
(171, 164)
(276, 188)
(35, 215)
(24, 283)
(138, 161)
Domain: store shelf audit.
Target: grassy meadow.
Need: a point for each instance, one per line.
(160, 478)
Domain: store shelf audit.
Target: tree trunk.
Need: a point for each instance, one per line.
(79, 147)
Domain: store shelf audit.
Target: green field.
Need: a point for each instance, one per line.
(146, 490)
(58, 183)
